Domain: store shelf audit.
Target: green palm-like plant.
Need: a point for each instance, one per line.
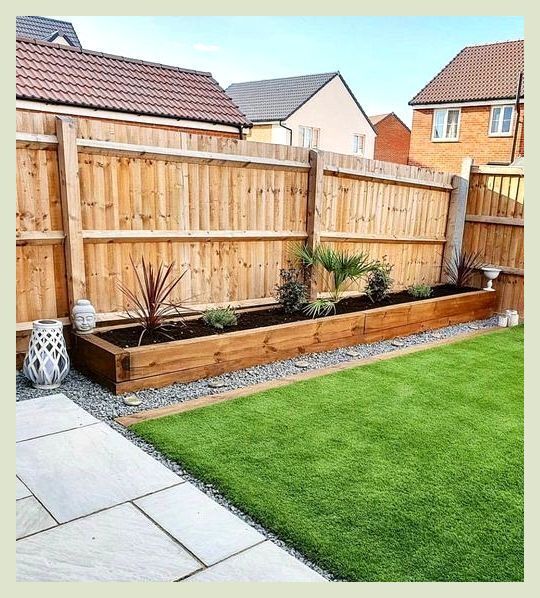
(342, 267)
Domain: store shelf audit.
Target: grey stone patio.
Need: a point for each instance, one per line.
(91, 506)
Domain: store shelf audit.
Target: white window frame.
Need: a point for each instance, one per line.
(363, 150)
(445, 139)
(315, 136)
(500, 133)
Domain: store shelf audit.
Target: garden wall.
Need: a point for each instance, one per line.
(91, 193)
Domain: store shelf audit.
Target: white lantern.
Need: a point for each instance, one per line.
(513, 317)
(47, 362)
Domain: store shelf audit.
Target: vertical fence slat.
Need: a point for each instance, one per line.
(68, 166)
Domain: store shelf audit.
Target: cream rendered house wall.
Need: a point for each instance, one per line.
(263, 133)
(334, 112)
(269, 133)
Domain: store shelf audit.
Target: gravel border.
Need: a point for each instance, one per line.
(106, 406)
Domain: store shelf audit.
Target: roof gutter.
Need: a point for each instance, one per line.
(288, 129)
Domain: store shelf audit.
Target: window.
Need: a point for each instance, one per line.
(309, 137)
(358, 144)
(446, 125)
(501, 121)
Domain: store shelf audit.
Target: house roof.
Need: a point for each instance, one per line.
(276, 99)
(70, 76)
(375, 120)
(477, 73)
(378, 117)
(46, 29)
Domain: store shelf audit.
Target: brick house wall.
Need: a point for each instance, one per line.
(392, 141)
(474, 141)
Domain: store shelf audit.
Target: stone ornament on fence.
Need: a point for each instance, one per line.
(47, 362)
(83, 317)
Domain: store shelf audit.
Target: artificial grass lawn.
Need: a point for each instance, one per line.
(405, 469)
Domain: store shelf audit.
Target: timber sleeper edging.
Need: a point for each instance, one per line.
(152, 366)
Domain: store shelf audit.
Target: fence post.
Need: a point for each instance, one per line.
(457, 208)
(314, 203)
(70, 195)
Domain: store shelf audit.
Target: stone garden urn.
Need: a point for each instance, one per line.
(491, 274)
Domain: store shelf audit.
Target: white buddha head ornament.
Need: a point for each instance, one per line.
(83, 316)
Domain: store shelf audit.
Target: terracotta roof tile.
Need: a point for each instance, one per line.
(486, 72)
(66, 75)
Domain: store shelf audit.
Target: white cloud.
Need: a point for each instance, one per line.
(206, 47)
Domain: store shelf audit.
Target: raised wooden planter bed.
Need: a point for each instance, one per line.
(150, 366)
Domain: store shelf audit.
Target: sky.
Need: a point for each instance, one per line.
(385, 60)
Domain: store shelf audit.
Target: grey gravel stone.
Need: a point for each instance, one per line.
(106, 406)
(217, 384)
(396, 343)
(302, 364)
(352, 353)
(132, 400)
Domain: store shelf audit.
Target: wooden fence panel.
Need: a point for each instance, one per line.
(227, 221)
(41, 286)
(404, 222)
(494, 227)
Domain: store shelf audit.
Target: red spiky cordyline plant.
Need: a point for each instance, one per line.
(150, 300)
(461, 267)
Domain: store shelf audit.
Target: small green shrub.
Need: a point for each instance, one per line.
(320, 307)
(291, 293)
(420, 291)
(378, 281)
(220, 317)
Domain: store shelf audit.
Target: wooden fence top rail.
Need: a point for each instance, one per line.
(506, 220)
(362, 174)
(498, 170)
(35, 140)
(107, 236)
(370, 237)
(185, 155)
(50, 237)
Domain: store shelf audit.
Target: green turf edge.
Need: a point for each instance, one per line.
(191, 462)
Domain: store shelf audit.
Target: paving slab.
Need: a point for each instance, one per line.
(203, 526)
(49, 415)
(264, 562)
(78, 472)
(118, 544)
(31, 517)
(21, 491)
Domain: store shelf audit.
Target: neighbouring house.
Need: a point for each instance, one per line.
(393, 138)
(60, 79)
(315, 111)
(47, 30)
(474, 107)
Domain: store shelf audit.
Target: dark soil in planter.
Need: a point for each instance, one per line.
(129, 336)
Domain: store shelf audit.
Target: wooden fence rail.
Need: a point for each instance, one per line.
(90, 194)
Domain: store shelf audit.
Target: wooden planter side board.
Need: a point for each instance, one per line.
(132, 369)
